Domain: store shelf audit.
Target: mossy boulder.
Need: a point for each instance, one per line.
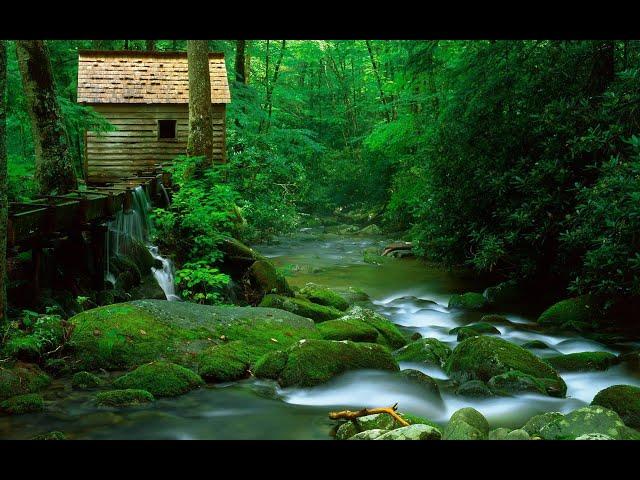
(594, 436)
(21, 379)
(21, 404)
(264, 277)
(140, 255)
(592, 419)
(473, 330)
(378, 421)
(388, 333)
(482, 358)
(425, 350)
(123, 336)
(424, 381)
(515, 381)
(492, 318)
(124, 398)
(368, 434)
(622, 399)
(518, 434)
(412, 432)
(569, 312)
(468, 301)
(535, 344)
(466, 424)
(85, 380)
(54, 435)
(537, 422)
(498, 434)
(323, 296)
(474, 388)
(162, 379)
(582, 362)
(225, 363)
(311, 362)
(43, 333)
(302, 307)
(350, 294)
(348, 329)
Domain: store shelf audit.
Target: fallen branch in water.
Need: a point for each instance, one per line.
(349, 415)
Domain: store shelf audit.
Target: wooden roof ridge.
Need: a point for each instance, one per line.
(140, 53)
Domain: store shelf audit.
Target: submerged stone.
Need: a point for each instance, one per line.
(302, 307)
(582, 362)
(124, 398)
(426, 350)
(482, 358)
(311, 362)
(162, 379)
(622, 399)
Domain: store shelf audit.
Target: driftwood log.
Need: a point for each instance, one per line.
(350, 415)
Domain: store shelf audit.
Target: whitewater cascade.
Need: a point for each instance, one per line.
(135, 225)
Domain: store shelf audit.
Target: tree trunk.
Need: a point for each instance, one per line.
(271, 84)
(602, 71)
(241, 63)
(376, 74)
(3, 184)
(54, 166)
(150, 45)
(200, 143)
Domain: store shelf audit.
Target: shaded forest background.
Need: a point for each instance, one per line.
(519, 159)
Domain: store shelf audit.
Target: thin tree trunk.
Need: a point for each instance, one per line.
(603, 68)
(54, 166)
(150, 45)
(3, 184)
(271, 85)
(376, 74)
(200, 143)
(241, 64)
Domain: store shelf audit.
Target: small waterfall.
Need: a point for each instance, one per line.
(135, 224)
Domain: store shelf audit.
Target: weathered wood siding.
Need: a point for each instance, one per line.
(134, 146)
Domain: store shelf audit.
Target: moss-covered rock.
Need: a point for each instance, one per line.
(482, 358)
(348, 329)
(42, 333)
(18, 405)
(577, 310)
(582, 362)
(85, 380)
(54, 435)
(379, 421)
(125, 335)
(388, 333)
(323, 296)
(493, 318)
(468, 301)
(515, 381)
(422, 380)
(498, 434)
(412, 432)
(124, 398)
(225, 363)
(622, 399)
(162, 379)
(473, 330)
(474, 388)
(140, 255)
(426, 350)
(311, 362)
(368, 434)
(20, 379)
(535, 423)
(535, 344)
(518, 434)
(264, 277)
(302, 307)
(592, 419)
(350, 294)
(466, 424)
(594, 436)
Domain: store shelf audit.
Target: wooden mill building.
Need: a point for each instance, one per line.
(145, 96)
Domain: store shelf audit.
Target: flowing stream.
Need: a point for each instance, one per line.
(409, 293)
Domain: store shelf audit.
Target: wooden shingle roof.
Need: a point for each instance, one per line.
(144, 77)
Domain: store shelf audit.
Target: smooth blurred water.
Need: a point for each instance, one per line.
(409, 293)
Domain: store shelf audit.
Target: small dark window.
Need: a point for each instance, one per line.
(166, 129)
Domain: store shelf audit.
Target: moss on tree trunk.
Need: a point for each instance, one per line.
(200, 143)
(3, 183)
(54, 167)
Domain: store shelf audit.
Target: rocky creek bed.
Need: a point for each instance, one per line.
(460, 365)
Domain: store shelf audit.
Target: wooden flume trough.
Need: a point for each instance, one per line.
(32, 225)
